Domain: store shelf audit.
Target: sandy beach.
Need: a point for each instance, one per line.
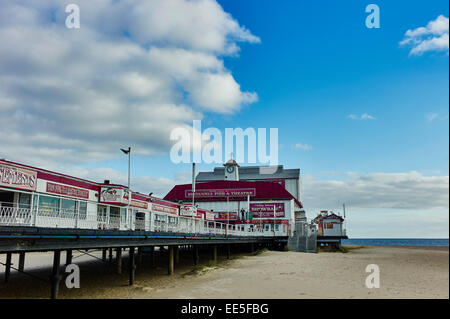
(405, 272)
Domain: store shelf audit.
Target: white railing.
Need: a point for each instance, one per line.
(16, 216)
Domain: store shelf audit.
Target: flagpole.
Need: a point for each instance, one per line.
(193, 185)
(129, 184)
(274, 213)
(228, 214)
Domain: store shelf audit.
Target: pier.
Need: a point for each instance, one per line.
(21, 240)
(45, 211)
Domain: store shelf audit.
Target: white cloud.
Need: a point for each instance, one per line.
(432, 37)
(133, 71)
(432, 116)
(364, 116)
(410, 190)
(301, 146)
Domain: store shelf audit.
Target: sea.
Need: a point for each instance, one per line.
(419, 242)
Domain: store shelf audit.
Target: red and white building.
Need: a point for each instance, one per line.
(330, 224)
(248, 204)
(31, 196)
(289, 179)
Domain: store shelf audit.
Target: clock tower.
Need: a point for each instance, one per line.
(231, 170)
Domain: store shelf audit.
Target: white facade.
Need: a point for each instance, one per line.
(332, 227)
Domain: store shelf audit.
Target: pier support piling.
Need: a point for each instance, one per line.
(68, 257)
(171, 260)
(152, 256)
(132, 267)
(21, 261)
(119, 260)
(139, 256)
(7, 267)
(104, 255)
(195, 254)
(228, 251)
(110, 255)
(177, 254)
(215, 253)
(55, 278)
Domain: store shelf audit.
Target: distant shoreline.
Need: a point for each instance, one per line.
(398, 242)
(442, 248)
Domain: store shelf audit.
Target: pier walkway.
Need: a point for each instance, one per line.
(23, 231)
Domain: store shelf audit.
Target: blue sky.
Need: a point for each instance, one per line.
(316, 70)
(317, 63)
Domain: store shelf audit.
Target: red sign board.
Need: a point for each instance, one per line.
(164, 209)
(139, 204)
(237, 192)
(261, 210)
(67, 190)
(225, 215)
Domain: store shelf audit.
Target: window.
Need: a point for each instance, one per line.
(48, 206)
(173, 220)
(68, 208)
(24, 200)
(114, 213)
(101, 213)
(161, 218)
(123, 215)
(83, 210)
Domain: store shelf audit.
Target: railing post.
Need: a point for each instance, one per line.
(35, 212)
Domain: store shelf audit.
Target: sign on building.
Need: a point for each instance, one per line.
(67, 190)
(263, 210)
(188, 211)
(11, 176)
(226, 215)
(114, 195)
(237, 192)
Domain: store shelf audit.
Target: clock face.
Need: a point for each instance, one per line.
(230, 169)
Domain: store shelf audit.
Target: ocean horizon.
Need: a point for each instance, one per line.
(419, 242)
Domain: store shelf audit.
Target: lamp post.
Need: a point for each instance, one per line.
(128, 152)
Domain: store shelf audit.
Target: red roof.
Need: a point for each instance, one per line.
(333, 216)
(264, 190)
